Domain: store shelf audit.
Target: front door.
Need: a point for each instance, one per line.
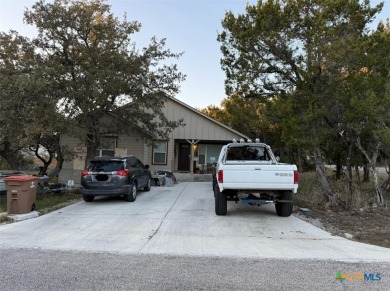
(184, 157)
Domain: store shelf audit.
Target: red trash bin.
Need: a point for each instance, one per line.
(21, 193)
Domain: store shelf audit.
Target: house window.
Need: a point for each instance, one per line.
(202, 159)
(108, 145)
(202, 154)
(160, 153)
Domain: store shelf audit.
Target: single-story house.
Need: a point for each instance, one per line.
(190, 149)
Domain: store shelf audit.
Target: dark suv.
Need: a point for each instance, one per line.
(115, 176)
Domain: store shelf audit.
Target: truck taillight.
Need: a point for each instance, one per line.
(296, 177)
(220, 176)
(123, 172)
(84, 173)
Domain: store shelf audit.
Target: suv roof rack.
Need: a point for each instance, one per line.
(102, 157)
(128, 156)
(106, 158)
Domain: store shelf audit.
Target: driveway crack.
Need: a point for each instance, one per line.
(162, 220)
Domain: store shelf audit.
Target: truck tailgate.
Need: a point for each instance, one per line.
(258, 176)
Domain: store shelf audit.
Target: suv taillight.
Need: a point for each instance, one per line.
(84, 173)
(122, 173)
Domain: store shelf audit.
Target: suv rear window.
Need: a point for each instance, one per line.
(106, 166)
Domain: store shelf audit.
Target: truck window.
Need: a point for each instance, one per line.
(247, 153)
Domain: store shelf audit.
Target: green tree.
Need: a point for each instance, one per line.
(28, 113)
(240, 114)
(13, 70)
(250, 116)
(218, 113)
(362, 99)
(20, 98)
(283, 50)
(93, 68)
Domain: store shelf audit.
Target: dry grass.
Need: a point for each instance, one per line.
(364, 221)
(4, 219)
(47, 202)
(310, 193)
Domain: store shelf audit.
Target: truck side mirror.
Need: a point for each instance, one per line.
(277, 158)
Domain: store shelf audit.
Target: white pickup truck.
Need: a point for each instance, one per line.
(249, 172)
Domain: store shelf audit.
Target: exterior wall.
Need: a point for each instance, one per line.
(132, 145)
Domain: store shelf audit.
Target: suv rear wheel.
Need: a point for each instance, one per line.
(132, 194)
(88, 198)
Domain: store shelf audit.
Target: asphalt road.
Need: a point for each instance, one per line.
(35, 269)
(170, 239)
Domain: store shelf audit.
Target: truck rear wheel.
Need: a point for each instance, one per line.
(220, 202)
(214, 185)
(284, 209)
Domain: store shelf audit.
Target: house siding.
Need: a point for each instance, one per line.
(198, 126)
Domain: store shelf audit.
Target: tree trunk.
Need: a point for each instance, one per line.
(338, 167)
(366, 173)
(348, 178)
(46, 164)
(378, 190)
(92, 143)
(60, 162)
(91, 153)
(357, 174)
(329, 195)
(386, 185)
(373, 169)
(10, 156)
(300, 165)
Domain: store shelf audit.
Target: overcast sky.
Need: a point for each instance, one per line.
(189, 26)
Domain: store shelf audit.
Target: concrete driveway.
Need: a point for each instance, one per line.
(180, 220)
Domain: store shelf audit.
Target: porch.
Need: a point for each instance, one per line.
(196, 157)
